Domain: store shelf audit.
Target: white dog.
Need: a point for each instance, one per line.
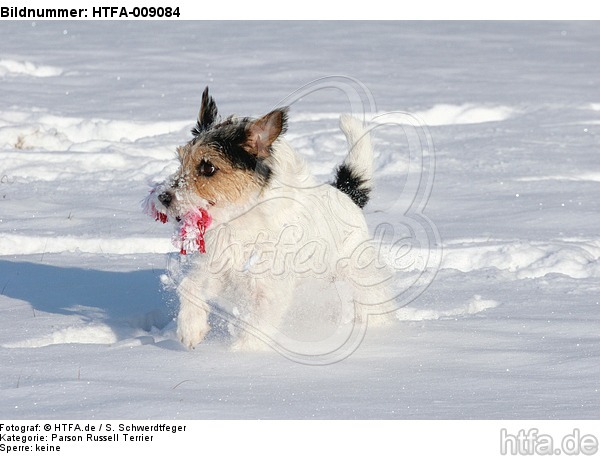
(265, 228)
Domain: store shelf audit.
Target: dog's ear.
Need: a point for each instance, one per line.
(207, 115)
(261, 133)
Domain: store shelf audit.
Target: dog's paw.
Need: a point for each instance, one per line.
(192, 326)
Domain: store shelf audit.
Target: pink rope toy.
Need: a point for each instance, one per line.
(191, 229)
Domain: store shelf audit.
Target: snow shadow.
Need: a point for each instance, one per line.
(119, 299)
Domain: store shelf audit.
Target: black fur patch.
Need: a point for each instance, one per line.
(208, 114)
(229, 138)
(350, 183)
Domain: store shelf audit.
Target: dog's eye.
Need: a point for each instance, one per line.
(206, 168)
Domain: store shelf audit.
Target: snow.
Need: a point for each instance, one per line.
(504, 322)
(14, 68)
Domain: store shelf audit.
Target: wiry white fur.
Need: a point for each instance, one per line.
(294, 230)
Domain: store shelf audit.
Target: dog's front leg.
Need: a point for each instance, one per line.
(192, 320)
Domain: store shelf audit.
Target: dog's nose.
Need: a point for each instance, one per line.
(165, 198)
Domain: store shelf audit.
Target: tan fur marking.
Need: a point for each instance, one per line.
(228, 184)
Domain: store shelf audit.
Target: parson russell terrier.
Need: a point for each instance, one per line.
(246, 201)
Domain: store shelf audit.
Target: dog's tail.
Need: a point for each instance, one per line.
(354, 176)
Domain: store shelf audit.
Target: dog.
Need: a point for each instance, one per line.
(268, 233)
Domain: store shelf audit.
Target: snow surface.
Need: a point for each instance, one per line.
(91, 114)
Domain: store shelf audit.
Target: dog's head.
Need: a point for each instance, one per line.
(225, 163)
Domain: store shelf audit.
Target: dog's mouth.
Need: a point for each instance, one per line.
(179, 218)
(191, 226)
